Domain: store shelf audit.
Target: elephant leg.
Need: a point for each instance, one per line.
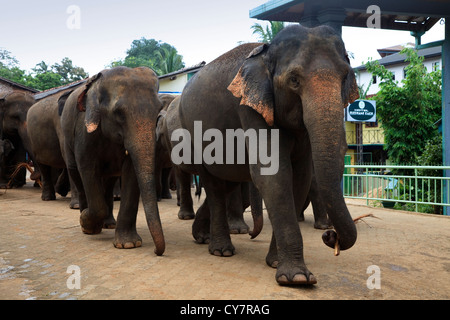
(62, 185)
(126, 235)
(201, 225)
(286, 250)
(48, 189)
(186, 211)
(74, 197)
(165, 190)
(235, 211)
(77, 184)
(217, 190)
(109, 183)
(92, 217)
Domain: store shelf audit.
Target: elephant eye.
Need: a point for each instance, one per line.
(294, 82)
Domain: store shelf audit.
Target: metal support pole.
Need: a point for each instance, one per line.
(446, 106)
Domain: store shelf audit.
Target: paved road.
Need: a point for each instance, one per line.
(407, 254)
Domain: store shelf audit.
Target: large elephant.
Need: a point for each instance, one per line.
(109, 131)
(47, 145)
(236, 202)
(290, 95)
(13, 127)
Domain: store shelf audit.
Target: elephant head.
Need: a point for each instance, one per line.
(13, 116)
(128, 118)
(303, 81)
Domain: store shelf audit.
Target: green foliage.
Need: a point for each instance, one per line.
(43, 76)
(161, 57)
(407, 113)
(267, 34)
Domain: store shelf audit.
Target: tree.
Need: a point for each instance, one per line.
(42, 76)
(162, 57)
(407, 113)
(68, 72)
(267, 34)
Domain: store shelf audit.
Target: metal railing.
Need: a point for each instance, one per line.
(421, 188)
(369, 136)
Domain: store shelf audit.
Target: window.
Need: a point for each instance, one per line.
(374, 79)
(435, 66)
(404, 73)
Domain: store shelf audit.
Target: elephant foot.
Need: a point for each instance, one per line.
(109, 223)
(323, 224)
(294, 276)
(222, 249)
(48, 196)
(62, 189)
(88, 226)
(272, 260)
(166, 195)
(74, 204)
(238, 226)
(200, 230)
(127, 240)
(201, 237)
(186, 214)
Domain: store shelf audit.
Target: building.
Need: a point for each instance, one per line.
(174, 82)
(8, 86)
(370, 135)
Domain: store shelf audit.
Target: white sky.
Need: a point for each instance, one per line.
(201, 30)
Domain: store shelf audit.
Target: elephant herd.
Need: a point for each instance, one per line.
(114, 129)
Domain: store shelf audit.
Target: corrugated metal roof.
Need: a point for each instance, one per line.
(184, 70)
(49, 92)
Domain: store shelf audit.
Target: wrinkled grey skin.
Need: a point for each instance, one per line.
(13, 127)
(299, 84)
(47, 145)
(109, 132)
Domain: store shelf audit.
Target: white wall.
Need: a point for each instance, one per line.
(365, 78)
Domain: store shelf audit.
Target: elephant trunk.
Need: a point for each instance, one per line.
(141, 148)
(257, 211)
(324, 120)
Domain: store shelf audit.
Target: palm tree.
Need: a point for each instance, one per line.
(168, 60)
(267, 34)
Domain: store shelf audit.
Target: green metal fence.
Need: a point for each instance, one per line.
(422, 188)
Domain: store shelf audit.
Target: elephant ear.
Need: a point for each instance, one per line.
(253, 84)
(350, 90)
(62, 101)
(159, 123)
(90, 106)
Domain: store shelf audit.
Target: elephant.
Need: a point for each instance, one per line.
(163, 162)
(237, 201)
(109, 132)
(47, 144)
(13, 127)
(287, 97)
